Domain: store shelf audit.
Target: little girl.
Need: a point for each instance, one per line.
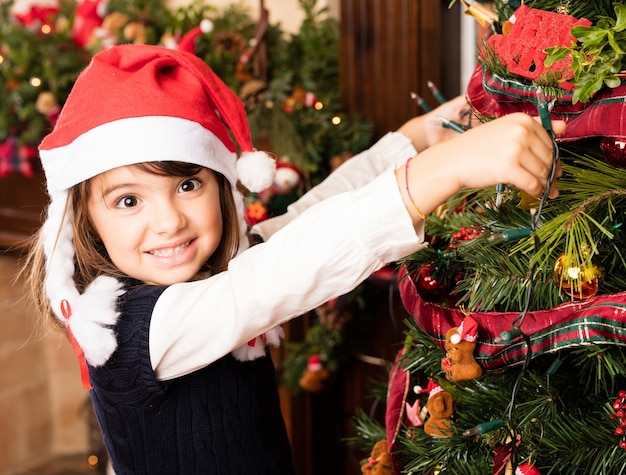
(144, 259)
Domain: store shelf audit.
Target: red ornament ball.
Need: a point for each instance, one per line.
(614, 151)
(428, 286)
(527, 469)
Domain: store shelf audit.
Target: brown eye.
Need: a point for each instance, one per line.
(189, 185)
(127, 201)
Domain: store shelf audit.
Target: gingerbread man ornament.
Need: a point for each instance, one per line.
(459, 363)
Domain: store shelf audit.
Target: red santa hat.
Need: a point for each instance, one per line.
(188, 41)
(287, 176)
(466, 331)
(132, 104)
(431, 389)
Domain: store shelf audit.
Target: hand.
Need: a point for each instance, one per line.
(425, 130)
(515, 150)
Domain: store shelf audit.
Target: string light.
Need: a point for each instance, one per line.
(544, 109)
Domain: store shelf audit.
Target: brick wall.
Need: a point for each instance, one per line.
(43, 412)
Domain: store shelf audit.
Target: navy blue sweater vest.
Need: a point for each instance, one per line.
(223, 419)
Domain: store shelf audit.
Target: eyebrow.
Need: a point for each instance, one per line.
(107, 191)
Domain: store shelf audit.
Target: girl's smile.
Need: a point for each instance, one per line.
(171, 225)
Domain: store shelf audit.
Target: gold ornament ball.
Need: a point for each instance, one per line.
(579, 282)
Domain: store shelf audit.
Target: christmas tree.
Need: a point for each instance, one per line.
(514, 360)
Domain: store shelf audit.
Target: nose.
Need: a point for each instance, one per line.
(167, 218)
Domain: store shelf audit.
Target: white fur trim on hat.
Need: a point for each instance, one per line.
(159, 138)
(90, 316)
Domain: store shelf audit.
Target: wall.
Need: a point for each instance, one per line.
(42, 403)
(286, 12)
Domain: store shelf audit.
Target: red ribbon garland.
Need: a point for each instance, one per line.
(66, 310)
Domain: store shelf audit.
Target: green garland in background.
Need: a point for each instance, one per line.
(307, 134)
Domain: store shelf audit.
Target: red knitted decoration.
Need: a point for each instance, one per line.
(531, 32)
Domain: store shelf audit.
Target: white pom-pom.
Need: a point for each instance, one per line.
(93, 315)
(256, 170)
(206, 26)
(455, 339)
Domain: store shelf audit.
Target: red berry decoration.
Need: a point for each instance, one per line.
(619, 405)
(465, 233)
(614, 151)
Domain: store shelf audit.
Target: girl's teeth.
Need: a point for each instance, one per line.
(170, 251)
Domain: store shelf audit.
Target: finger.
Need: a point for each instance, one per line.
(559, 126)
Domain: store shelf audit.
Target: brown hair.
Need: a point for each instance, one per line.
(91, 258)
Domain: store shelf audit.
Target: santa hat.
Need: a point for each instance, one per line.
(188, 41)
(132, 104)
(287, 175)
(432, 389)
(466, 331)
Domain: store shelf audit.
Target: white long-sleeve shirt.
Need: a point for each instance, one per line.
(325, 251)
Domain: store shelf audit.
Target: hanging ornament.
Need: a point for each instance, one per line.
(484, 15)
(87, 17)
(287, 187)
(378, 462)
(527, 202)
(526, 35)
(614, 151)
(429, 286)
(563, 8)
(440, 407)
(135, 32)
(415, 414)
(459, 363)
(527, 468)
(578, 281)
(106, 35)
(48, 105)
(255, 210)
(188, 41)
(36, 14)
(315, 375)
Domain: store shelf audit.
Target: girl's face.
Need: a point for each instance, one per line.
(157, 229)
